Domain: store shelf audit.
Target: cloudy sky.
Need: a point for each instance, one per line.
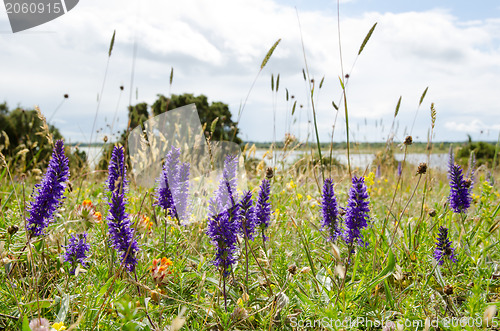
(216, 48)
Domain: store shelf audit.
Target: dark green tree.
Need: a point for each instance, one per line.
(225, 128)
(138, 114)
(21, 130)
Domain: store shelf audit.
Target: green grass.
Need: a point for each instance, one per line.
(399, 284)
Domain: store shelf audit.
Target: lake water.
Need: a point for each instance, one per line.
(93, 154)
(363, 160)
(360, 160)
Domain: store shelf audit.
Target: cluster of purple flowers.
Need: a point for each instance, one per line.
(230, 217)
(258, 216)
(356, 217)
(460, 197)
(443, 247)
(330, 211)
(173, 186)
(356, 214)
(226, 197)
(248, 216)
(76, 251)
(49, 193)
(263, 209)
(224, 217)
(120, 232)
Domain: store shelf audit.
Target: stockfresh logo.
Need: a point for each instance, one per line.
(25, 14)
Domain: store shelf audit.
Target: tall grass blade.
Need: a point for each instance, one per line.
(335, 106)
(423, 96)
(214, 123)
(397, 107)
(269, 54)
(388, 270)
(294, 106)
(112, 43)
(367, 38)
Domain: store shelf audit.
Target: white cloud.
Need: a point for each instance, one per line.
(216, 48)
(475, 126)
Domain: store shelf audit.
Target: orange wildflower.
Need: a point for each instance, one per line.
(160, 269)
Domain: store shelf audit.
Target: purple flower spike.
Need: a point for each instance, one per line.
(76, 251)
(120, 233)
(49, 193)
(248, 216)
(168, 183)
(225, 196)
(330, 211)
(181, 193)
(356, 217)
(223, 232)
(116, 171)
(460, 190)
(443, 247)
(224, 217)
(263, 210)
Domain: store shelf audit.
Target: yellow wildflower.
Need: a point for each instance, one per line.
(59, 326)
(369, 179)
(144, 224)
(290, 186)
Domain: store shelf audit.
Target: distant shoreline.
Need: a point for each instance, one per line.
(364, 147)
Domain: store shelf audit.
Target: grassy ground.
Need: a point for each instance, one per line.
(296, 281)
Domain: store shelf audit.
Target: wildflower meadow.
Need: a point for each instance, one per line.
(265, 243)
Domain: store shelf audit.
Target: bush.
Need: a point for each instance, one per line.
(483, 151)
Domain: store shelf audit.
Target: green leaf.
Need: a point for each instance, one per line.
(8, 199)
(438, 275)
(269, 54)
(367, 38)
(341, 83)
(489, 247)
(389, 268)
(33, 305)
(388, 294)
(26, 324)
(105, 288)
(63, 311)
